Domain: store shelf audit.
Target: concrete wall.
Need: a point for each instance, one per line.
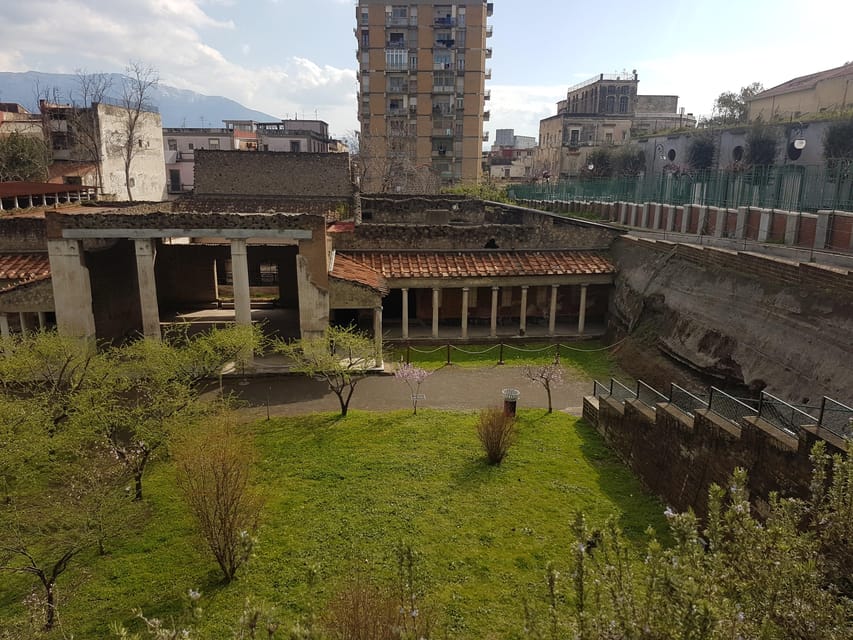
(148, 168)
(234, 173)
(740, 317)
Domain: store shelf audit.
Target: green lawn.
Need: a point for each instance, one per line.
(590, 358)
(342, 493)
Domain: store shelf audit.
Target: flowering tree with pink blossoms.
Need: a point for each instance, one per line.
(414, 377)
(548, 375)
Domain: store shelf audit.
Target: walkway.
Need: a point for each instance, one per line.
(449, 388)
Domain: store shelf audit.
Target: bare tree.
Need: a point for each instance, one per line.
(92, 88)
(137, 88)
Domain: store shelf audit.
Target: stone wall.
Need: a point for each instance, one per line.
(115, 294)
(269, 173)
(678, 456)
(22, 234)
(739, 317)
(332, 208)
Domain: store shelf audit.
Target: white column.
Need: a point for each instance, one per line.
(43, 200)
(31, 201)
(582, 311)
(464, 312)
(240, 280)
(405, 314)
(377, 333)
(72, 289)
(493, 331)
(145, 255)
(17, 206)
(22, 319)
(4, 325)
(552, 313)
(522, 323)
(435, 293)
(42, 320)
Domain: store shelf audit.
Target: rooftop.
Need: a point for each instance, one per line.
(805, 82)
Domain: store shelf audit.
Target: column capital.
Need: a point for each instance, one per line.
(525, 287)
(555, 286)
(466, 289)
(496, 288)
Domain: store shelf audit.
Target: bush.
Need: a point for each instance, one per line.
(496, 432)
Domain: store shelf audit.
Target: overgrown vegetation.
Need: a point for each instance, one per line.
(700, 153)
(23, 158)
(838, 142)
(761, 146)
(486, 190)
(497, 432)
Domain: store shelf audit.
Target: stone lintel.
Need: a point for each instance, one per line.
(140, 234)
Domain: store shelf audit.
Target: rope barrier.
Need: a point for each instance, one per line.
(427, 351)
(474, 353)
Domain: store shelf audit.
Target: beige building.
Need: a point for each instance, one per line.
(830, 90)
(422, 96)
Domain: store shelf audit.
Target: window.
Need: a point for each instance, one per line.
(396, 84)
(397, 40)
(173, 144)
(444, 80)
(213, 143)
(574, 137)
(190, 146)
(442, 60)
(396, 59)
(365, 39)
(399, 12)
(610, 105)
(365, 16)
(623, 104)
(608, 138)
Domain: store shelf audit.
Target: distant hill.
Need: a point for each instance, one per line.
(178, 107)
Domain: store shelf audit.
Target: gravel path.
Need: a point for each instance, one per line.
(451, 388)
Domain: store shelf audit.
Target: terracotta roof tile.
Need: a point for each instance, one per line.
(473, 264)
(353, 271)
(24, 283)
(23, 266)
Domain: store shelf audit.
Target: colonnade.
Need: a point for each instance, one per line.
(26, 321)
(493, 325)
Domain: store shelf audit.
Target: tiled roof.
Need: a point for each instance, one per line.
(24, 266)
(20, 284)
(352, 271)
(473, 264)
(342, 227)
(805, 82)
(10, 189)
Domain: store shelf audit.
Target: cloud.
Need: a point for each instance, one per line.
(175, 37)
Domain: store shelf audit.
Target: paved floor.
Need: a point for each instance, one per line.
(451, 387)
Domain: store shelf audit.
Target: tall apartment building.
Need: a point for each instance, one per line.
(422, 95)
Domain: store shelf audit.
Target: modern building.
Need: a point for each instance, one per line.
(605, 110)
(797, 99)
(422, 95)
(506, 138)
(293, 136)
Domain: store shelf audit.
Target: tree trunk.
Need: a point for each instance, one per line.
(548, 390)
(50, 611)
(137, 481)
(127, 181)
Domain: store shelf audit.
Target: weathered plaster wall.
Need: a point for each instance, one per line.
(739, 316)
(115, 294)
(18, 233)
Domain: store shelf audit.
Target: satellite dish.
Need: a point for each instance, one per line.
(799, 145)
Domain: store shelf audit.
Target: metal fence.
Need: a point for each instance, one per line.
(790, 187)
(686, 401)
(619, 391)
(649, 396)
(600, 390)
(836, 417)
(729, 407)
(783, 415)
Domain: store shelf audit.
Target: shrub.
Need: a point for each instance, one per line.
(496, 432)
(213, 474)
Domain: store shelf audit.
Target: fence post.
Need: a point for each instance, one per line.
(448, 353)
(637, 393)
(671, 389)
(760, 403)
(822, 408)
(710, 398)
(557, 354)
(408, 353)
(501, 354)
(611, 386)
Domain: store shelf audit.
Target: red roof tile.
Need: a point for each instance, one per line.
(352, 271)
(24, 266)
(10, 189)
(473, 264)
(19, 284)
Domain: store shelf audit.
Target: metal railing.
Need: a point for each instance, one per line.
(600, 390)
(648, 395)
(791, 188)
(620, 392)
(785, 416)
(836, 417)
(686, 401)
(729, 407)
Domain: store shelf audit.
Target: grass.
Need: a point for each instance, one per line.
(342, 493)
(590, 358)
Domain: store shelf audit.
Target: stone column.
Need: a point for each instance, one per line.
(145, 255)
(72, 289)
(740, 229)
(22, 320)
(435, 293)
(464, 312)
(4, 325)
(42, 320)
(405, 314)
(720, 221)
(377, 334)
(792, 228)
(764, 225)
(240, 280)
(552, 313)
(17, 206)
(644, 219)
(685, 218)
(582, 311)
(703, 221)
(43, 200)
(493, 330)
(656, 216)
(522, 323)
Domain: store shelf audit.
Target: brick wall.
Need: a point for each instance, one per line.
(268, 173)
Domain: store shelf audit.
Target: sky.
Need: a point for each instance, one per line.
(297, 57)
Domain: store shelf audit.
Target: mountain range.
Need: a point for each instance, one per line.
(178, 107)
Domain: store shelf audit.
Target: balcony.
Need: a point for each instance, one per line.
(439, 88)
(488, 53)
(488, 74)
(489, 32)
(487, 95)
(445, 22)
(446, 43)
(486, 116)
(486, 137)
(490, 9)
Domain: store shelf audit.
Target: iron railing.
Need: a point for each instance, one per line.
(791, 188)
(836, 417)
(619, 391)
(729, 407)
(686, 401)
(600, 390)
(649, 396)
(785, 416)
